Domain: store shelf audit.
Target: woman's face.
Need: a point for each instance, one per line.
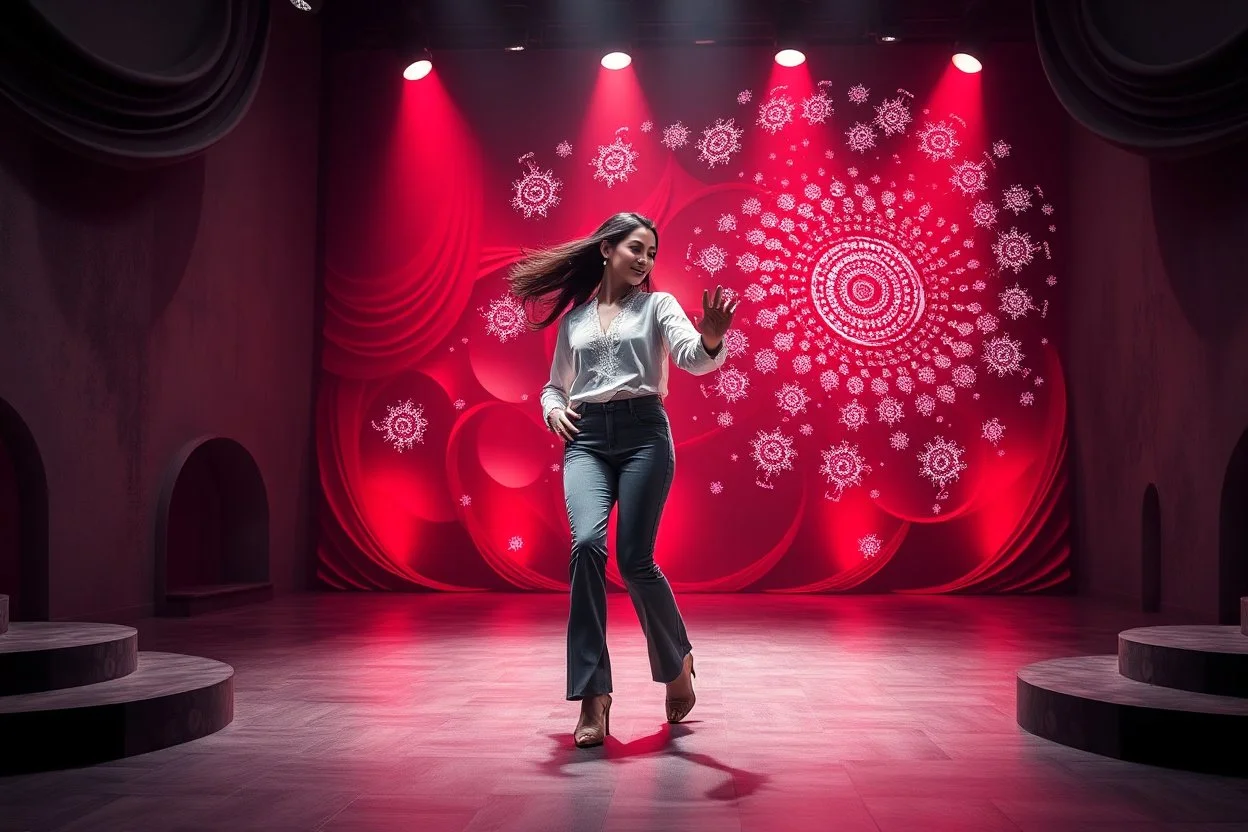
(632, 258)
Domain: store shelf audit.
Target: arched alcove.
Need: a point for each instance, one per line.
(212, 530)
(1233, 535)
(1150, 551)
(23, 520)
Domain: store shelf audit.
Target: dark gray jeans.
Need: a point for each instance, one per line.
(623, 455)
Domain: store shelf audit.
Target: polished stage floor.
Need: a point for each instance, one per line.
(445, 712)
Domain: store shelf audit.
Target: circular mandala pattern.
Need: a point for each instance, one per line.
(866, 292)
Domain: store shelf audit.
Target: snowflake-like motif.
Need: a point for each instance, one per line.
(963, 376)
(727, 222)
(792, 399)
(969, 178)
(712, 259)
(993, 431)
(564, 149)
(465, 500)
(536, 192)
(892, 116)
(776, 112)
(736, 343)
(1003, 356)
(858, 94)
(937, 140)
(984, 214)
(1000, 149)
(899, 441)
(717, 487)
(719, 142)
(732, 384)
(817, 108)
(404, 425)
(1015, 302)
(515, 543)
(744, 97)
(504, 319)
(889, 411)
(675, 136)
(723, 419)
(941, 461)
(1027, 398)
(853, 415)
(773, 452)
(843, 467)
(1016, 198)
(860, 138)
(646, 126)
(869, 545)
(1014, 250)
(614, 162)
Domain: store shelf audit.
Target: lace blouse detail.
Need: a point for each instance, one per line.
(605, 346)
(630, 358)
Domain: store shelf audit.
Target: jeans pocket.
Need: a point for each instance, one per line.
(654, 416)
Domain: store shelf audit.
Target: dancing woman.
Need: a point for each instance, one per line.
(605, 397)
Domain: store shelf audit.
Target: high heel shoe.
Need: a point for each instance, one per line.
(679, 707)
(590, 734)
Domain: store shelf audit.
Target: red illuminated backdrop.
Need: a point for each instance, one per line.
(892, 414)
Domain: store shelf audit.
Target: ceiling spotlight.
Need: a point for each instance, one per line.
(417, 70)
(420, 67)
(967, 62)
(616, 60)
(885, 21)
(305, 6)
(515, 27)
(790, 57)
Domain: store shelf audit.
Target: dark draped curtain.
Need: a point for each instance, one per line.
(133, 81)
(1164, 78)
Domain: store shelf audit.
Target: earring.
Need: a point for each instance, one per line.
(604, 261)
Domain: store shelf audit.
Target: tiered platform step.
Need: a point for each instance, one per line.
(4, 614)
(198, 600)
(169, 699)
(1084, 702)
(74, 694)
(36, 656)
(1204, 659)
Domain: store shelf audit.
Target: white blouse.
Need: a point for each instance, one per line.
(630, 358)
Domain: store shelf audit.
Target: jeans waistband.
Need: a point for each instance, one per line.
(630, 403)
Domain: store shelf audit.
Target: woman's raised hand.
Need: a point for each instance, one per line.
(717, 314)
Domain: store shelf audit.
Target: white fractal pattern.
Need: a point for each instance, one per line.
(537, 191)
(873, 279)
(504, 319)
(614, 162)
(404, 425)
(893, 309)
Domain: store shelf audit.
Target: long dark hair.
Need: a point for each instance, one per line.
(571, 271)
